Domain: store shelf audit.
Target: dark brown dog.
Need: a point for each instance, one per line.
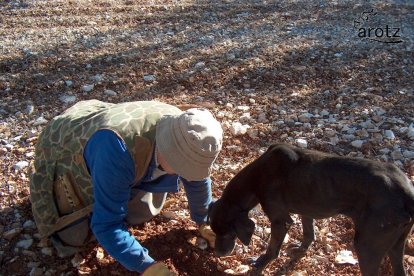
(377, 196)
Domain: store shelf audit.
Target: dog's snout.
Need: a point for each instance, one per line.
(224, 246)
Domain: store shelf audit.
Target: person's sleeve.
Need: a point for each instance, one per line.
(199, 197)
(112, 171)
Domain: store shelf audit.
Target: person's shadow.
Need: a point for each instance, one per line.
(175, 249)
(172, 248)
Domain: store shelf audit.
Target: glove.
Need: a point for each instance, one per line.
(208, 234)
(157, 269)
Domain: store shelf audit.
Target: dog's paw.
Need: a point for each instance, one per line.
(258, 263)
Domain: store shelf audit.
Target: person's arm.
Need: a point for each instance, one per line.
(199, 198)
(112, 171)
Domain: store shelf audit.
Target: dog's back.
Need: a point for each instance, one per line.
(320, 185)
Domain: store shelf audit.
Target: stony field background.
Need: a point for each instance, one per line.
(271, 71)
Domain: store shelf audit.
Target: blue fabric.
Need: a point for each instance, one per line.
(112, 170)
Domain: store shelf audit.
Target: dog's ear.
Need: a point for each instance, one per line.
(210, 208)
(244, 228)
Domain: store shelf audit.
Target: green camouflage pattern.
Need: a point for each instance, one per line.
(59, 150)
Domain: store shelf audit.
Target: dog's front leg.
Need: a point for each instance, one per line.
(279, 229)
(297, 251)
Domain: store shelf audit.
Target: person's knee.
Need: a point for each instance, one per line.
(144, 206)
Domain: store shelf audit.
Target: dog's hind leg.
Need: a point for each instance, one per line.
(279, 228)
(371, 243)
(396, 253)
(298, 250)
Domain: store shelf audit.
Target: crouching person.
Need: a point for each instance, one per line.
(99, 166)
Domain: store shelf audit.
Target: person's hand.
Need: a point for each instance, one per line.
(208, 234)
(157, 269)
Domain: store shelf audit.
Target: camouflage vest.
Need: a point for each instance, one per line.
(59, 154)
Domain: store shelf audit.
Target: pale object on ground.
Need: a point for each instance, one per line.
(240, 270)
(345, 257)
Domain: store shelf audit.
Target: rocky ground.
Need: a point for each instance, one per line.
(271, 71)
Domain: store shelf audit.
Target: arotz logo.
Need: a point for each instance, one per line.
(368, 28)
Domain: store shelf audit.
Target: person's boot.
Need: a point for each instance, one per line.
(63, 250)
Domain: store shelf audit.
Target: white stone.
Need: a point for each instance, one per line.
(25, 244)
(229, 105)
(385, 151)
(231, 56)
(240, 270)
(397, 155)
(299, 273)
(243, 108)
(403, 129)
(408, 154)
(29, 224)
(40, 121)
(220, 115)
(88, 87)
(389, 134)
(345, 257)
(379, 111)
(200, 65)
(324, 113)
(96, 78)
(238, 129)
(29, 109)
(305, 118)
(48, 251)
(109, 92)
(301, 143)
(201, 243)
(245, 117)
(67, 99)
(252, 101)
(410, 133)
(367, 124)
(357, 144)
(345, 128)
(20, 165)
(149, 78)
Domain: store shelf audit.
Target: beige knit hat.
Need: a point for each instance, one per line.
(190, 142)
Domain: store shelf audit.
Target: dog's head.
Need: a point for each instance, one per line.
(229, 223)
